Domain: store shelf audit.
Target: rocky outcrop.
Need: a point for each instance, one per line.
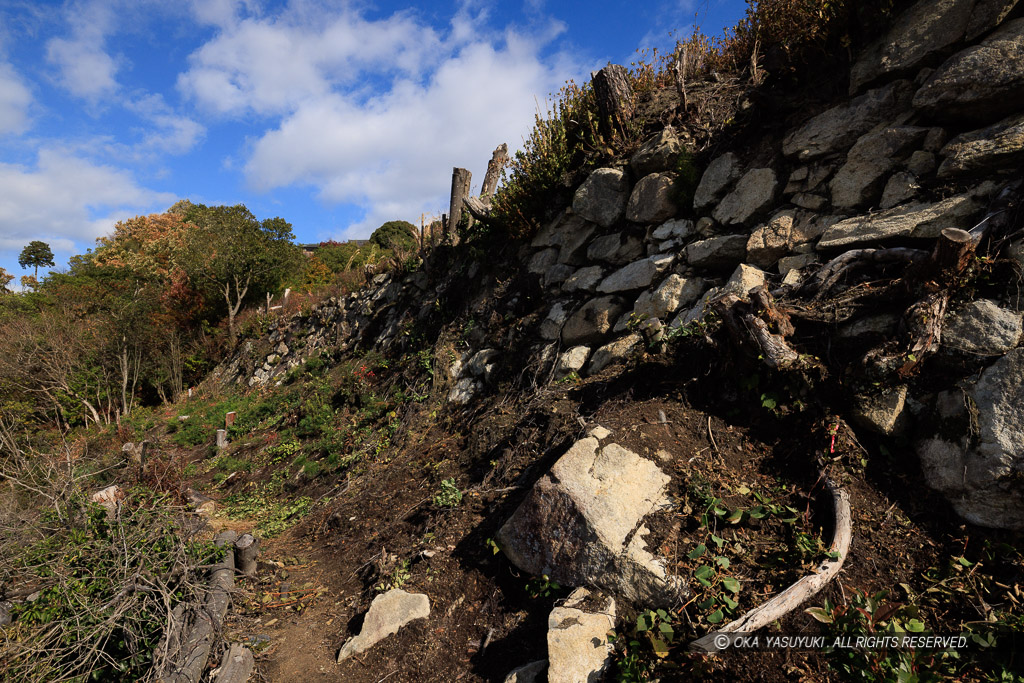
(997, 147)
(582, 523)
(839, 127)
(388, 613)
(982, 83)
(602, 197)
(976, 454)
(926, 31)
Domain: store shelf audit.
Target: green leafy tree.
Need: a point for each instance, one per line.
(395, 235)
(236, 256)
(36, 254)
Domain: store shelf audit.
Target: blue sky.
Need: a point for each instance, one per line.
(337, 116)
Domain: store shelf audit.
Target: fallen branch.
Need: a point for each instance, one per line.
(791, 598)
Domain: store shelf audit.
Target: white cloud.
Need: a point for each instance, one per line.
(171, 133)
(270, 66)
(15, 99)
(67, 199)
(84, 68)
(86, 71)
(375, 113)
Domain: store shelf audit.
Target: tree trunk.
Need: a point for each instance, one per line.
(494, 167)
(460, 190)
(247, 548)
(614, 100)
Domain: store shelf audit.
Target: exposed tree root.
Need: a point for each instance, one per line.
(791, 598)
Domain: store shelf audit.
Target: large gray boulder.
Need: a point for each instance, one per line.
(602, 197)
(754, 195)
(671, 295)
(982, 83)
(637, 275)
(859, 182)
(838, 128)
(616, 249)
(916, 220)
(999, 146)
(721, 173)
(388, 612)
(923, 33)
(584, 280)
(582, 524)
(717, 252)
(593, 321)
(975, 457)
(613, 353)
(567, 236)
(982, 328)
(653, 199)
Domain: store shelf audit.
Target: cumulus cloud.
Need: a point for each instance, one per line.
(83, 66)
(15, 99)
(270, 66)
(171, 133)
(375, 112)
(65, 199)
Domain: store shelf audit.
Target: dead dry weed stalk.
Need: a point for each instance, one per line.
(91, 589)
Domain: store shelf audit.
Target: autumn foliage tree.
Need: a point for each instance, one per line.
(137, 317)
(236, 256)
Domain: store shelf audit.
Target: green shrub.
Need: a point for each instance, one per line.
(449, 496)
(102, 602)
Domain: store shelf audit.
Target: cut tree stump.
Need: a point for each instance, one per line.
(801, 591)
(494, 167)
(461, 179)
(247, 548)
(614, 99)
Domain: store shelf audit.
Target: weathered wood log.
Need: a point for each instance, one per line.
(777, 353)
(764, 306)
(236, 666)
(494, 167)
(746, 326)
(614, 99)
(920, 336)
(801, 591)
(188, 663)
(478, 207)
(461, 179)
(833, 271)
(247, 548)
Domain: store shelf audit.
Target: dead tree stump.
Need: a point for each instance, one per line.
(494, 167)
(614, 99)
(460, 190)
(247, 548)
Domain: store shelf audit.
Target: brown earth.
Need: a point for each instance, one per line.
(317, 579)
